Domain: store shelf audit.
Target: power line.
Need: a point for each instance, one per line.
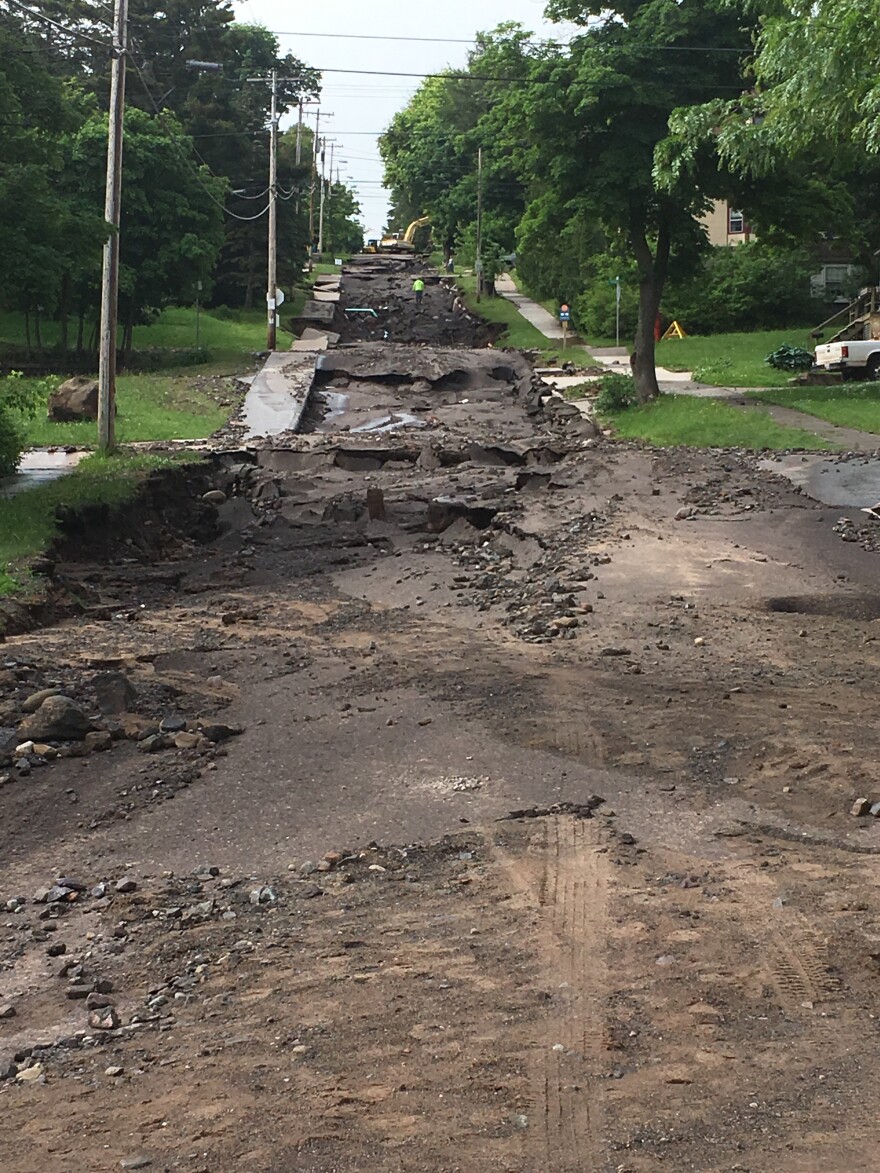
(61, 28)
(188, 162)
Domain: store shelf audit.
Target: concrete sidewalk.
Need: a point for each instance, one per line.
(278, 394)
(530, 310)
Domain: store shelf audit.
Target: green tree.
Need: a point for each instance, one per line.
(431, 148)
(594, 113)
(171, 228)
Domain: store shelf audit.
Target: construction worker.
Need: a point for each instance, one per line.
(418, 290)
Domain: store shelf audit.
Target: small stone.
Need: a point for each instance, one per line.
(126, 884)
(140, 1161)
(218, 732)
(33, 702)
(104, 1019)
(308, 868)
(874, 811)
(7, 1010)
(99, 740)
(699, 642)
(214, 497)
(32, 1074)
(113, 1071)
(99, 891)
(187, 740)
(154, 742)
(96, 1001)
(172, 725)
(200, 911)
(78, 991)
(25, 748)
(57, 949)
(684, 513)
(310, 891)
(860, 807)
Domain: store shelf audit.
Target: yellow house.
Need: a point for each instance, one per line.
(725, 225)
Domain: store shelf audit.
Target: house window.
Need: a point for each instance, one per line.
(736, 223)
(836, 277)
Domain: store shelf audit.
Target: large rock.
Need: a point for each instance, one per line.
(57, 719)
(77, 399)
(115, 692)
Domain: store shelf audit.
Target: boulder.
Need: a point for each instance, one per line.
(77, 399)
(57, 719)
(115, 692)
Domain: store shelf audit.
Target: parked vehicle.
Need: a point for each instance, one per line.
(855, 348)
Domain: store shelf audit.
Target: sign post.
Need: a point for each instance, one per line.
(564, 318)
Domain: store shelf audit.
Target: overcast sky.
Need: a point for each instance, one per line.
(362, 106)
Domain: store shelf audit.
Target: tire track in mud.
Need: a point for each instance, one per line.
(564, 876)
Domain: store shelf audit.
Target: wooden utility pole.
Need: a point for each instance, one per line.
(110, 268)
(323, 190)
(478, 258)
(299, 134)
(272, 278)
(312, 186)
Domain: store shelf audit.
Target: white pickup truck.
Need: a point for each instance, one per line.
(855, 356)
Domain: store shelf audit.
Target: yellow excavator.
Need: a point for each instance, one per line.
(395, 243)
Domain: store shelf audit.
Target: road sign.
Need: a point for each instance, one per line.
(564, 314)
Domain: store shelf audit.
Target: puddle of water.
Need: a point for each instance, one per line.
(337, 405)
(849, 483)
(388, 423)
(39, 467)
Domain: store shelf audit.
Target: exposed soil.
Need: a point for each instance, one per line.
(667, 958)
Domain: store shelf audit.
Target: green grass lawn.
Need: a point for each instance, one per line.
(706, 423)
(188, 404)
(27, 522)
(852, 405)
(227, 333)
(518, 332)
(731, 360)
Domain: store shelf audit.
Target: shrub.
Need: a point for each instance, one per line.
(617, 394)
(19, 397)
(749, 287)
(11, 442)
(789, 358)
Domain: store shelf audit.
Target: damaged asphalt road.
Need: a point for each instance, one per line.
(299, 930)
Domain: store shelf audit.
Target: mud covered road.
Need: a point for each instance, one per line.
(465, 793)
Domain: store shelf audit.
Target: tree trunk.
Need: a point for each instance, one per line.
(27, 330)
(653, 268)
(80, 330)
(64, 312)
(38, 338)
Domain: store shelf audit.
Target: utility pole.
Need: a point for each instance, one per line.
(312, 187)
(478, 260)
(299, 134)
(323, 191)
(110, 267)
(272, 278)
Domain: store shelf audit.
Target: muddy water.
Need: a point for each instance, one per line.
(37, 468)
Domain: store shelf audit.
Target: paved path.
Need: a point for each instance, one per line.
(530, 310)
(278, 394)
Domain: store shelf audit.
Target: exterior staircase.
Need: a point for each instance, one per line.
(856, 322)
